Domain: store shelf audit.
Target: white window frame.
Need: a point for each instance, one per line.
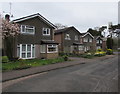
(98, 47)
(90, 40)
(81, 48)
(85, 40)
(26, 26)
(76, 37)
(67, 37)
(20, 56)
(97, 41)
(51, 45)
(41, 51)
(45, 29)
(100, 41)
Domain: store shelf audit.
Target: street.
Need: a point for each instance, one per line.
(99, 76)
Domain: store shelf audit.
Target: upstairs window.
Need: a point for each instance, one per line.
(97, 41)
(67, 37)
(85, 40)
(76, 37)
(46, 31)
(100, 41)
(90, 40)
(25, 29)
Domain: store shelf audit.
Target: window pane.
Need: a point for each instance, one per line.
(18, 51)
(33, 52)
(47, 31)
(23, 28)
(23, 47)
(42, 48)
(29, 30)
(28, 55)
(28, 47)
(52, 48)
(23, 55)
(44, 32)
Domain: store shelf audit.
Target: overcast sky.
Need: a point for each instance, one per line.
(82, 15)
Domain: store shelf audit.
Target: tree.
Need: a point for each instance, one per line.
(60, 26)
(101, 30)
(9, 32)
(93, 32)
(110, 43)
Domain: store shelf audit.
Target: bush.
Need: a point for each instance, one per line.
(65, 57)
(99, 50)
(5, 59)
(101, 53)
(109, 51)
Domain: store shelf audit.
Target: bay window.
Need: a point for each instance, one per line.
(52, 48)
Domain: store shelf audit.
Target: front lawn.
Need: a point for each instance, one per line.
(23, 64)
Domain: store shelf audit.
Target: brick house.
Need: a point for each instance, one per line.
(88, 41)
(69, 40)
(36, 39)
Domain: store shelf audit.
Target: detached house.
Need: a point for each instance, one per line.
(100, 43)
(87, 40)
(69, 40)
(36, 39)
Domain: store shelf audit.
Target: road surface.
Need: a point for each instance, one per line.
(99, 76)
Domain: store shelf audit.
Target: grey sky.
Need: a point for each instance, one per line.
(82, 15)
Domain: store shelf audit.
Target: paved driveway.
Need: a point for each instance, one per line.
(99, 76)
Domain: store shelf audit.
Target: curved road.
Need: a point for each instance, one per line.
(99, 76)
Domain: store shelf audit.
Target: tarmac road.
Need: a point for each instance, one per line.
(100, 76)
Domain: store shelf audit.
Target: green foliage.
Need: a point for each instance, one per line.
(88, 55)
(23, 64)
(100, 53)
(5, 59)
(94, 32)
(65, 57)
(110, 43)
(99, 50)
(109, 51)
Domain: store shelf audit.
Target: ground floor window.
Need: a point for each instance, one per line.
(26, 51)
(52, 48)
(42, 48)
(80, 48)
(98, 47)
(87, 48)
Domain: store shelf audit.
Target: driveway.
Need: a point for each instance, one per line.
(97, 76)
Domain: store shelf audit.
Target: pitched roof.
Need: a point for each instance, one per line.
(84, 34)
(65, 29)
(35, 15)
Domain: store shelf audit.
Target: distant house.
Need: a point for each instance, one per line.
(36, 39)
(88, 41)
(69, 40)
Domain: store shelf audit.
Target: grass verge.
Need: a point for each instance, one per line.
(24, 64)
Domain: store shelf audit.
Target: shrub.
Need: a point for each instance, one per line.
(5, 59)
(100, 53)
(99, 50)
(109, 51)
(65, 57)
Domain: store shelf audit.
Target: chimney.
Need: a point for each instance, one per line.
(7, 17)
